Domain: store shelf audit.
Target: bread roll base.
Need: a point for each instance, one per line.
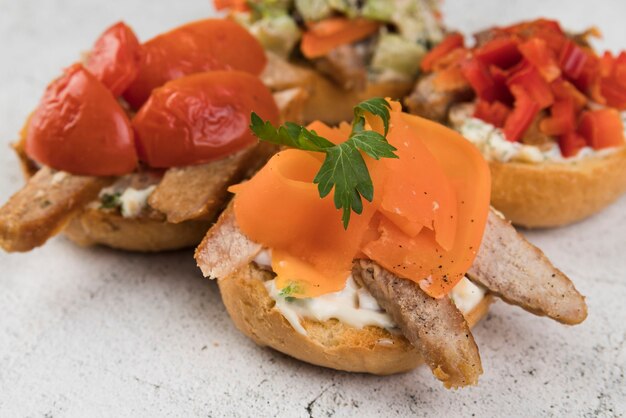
(554, 194)
(330, 343)
(97, 227)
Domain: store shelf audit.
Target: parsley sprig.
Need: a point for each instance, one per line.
(344, 168)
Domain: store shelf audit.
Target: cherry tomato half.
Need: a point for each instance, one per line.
(200, 118)
(205, 45)
(79, 127)
(115, 58)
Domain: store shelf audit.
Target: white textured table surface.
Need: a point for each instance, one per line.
(94, 332)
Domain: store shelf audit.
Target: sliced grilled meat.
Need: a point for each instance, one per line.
(43, 206)
(346, 66)
(225, 248)
(429, 102)
(518, 272)
(434, 326)
(200, 191)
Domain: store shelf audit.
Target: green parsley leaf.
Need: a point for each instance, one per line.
(289, 135)
(110, 200)
(344, 168)
(377, 106)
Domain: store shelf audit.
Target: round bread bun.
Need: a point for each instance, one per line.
(554, 194)
(330, 343)
(96, 227)
(325, 100)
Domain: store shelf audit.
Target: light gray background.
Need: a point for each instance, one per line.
(94, 332)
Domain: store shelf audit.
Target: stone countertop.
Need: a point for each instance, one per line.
(95, 332)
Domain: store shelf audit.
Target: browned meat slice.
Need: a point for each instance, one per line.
(430, 103)
(279, 74)
(225, 248)
(434, 326)
(44, 206)
(521, 274)
(200, 191)
(345, 65)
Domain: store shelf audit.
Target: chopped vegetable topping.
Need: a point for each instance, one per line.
(534, 71)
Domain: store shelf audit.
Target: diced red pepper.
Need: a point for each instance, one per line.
(548, 30)
(501, 89)
(572, 60)
(529, 79)
(536, 52)
(613, 94)
(564, 90)
(522, 116)
(452, 42)
(562, 119)
(501, 52)
(571, 143)
(602, 128)
(479, 77)
(495, 113)
(607, 63)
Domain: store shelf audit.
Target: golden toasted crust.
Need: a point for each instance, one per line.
(96, 227)
(552, 194)
(329, 343)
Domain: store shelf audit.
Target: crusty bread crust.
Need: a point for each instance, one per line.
(96, 227)
(330, 343)
(554, 194)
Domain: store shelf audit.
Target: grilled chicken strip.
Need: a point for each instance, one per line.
(42, 208)
(434, 326)
(430, 103)
(345, 65)
(198, 191)
(520, 274)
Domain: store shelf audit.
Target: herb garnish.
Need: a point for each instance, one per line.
(110, 200)
(344, 168)
(288, 291)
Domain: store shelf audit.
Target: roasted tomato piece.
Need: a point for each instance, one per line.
(201, 117)
(115, 58)
(205, 45)
(79, 127)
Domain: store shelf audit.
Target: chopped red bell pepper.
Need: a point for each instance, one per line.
(564, 90)
(536, 52)
(602, 128)
(529, 79)
(495, 113)
(614, 95)
(522, 116)
(548, 30)
(571, 143)
(573, 59)
(452, 42)
(501, 52)
(501, 90)
(479, 77)
(562, 119)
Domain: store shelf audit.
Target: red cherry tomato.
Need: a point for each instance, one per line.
(200, 118)
(79, 127)
(115, 58)
(205, 45)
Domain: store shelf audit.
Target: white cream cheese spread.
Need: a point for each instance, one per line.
(353, 305)
(495, 147)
